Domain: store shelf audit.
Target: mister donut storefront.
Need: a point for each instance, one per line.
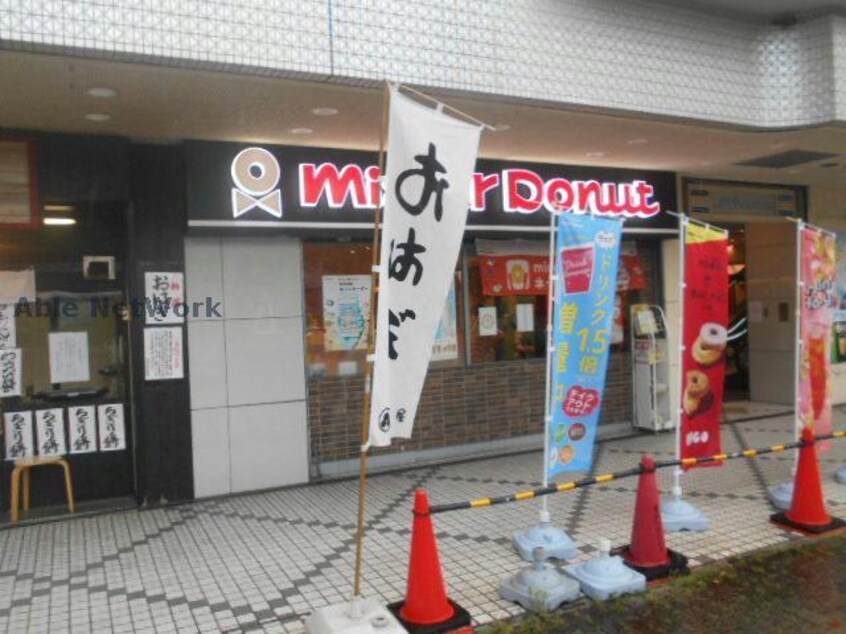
(281, 238)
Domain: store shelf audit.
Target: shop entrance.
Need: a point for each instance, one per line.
(71, 328)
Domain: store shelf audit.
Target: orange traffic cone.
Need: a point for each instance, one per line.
(426, 609)
(648, 552)
(807, 510)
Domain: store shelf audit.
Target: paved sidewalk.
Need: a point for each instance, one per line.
(265, 561)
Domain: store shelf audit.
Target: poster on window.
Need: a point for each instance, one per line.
(16, 286)
(18, 428)
(817, 270)
(586, 266)
(50, 432)
(518, 274)
(82, 429)
(111, 425)
(164, 298)
(69, 357)
(11, 364)
(8, 327)
(163, 358)
(445, 346)
(346, 312)
(705, 319)
(430, 161)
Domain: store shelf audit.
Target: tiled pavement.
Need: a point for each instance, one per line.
(264, 561)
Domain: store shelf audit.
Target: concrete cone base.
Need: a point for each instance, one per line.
(335, 619)
(679, 515)
(605, 577)
(676, 566)
(556, 543)
(835, 524)
(460, 619)
(781, 495)
(840, 475)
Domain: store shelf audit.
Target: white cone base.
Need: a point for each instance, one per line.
(604, 577)
(840, 475)
(679, 515)
(539, 590)
(781, 495)
(336, 619)
(555, 542)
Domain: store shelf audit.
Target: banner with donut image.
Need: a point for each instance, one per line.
(705, 319)
(817, 268)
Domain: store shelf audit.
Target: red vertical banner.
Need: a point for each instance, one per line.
(817, 275)
(705, 319)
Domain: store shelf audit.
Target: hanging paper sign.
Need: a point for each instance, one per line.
(164, 296)
(8, 330)
(431, 158)
(163, 354)
(111, 425)
(16, 286)
(18, 435)
(706, 312)
(504, 275)
(50, 432)
(586, 266)
(346, 311)
(817, 316)
(69, 357)
(82, 428)
(11, 363)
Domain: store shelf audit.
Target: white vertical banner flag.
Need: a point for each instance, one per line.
(430, 163)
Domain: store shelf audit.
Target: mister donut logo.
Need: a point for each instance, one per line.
(255, 178)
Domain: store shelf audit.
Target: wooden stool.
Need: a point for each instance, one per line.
(22, 467)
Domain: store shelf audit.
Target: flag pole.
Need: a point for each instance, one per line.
(371, 348)
(677, 472)
(550, 352)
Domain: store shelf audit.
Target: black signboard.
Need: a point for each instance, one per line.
(305, 189)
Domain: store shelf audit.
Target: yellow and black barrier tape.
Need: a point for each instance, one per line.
(627, 473)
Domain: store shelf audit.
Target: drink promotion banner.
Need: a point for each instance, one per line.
(586, 265)
(706, 313)
(817, 269)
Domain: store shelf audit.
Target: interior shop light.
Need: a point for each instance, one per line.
(59, 221)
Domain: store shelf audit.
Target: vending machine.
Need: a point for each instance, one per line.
(650, 369)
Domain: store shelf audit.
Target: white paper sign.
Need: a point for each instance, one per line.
(8, 327)
(17, 285)
(487, 321)
(525, 318)
(11, 364)
(82, 429)
(69, 357)
(18, 435)
(431, 158)
(163, 353)
(50, 432)
(346, 311)
(164, 298)
(111, 426)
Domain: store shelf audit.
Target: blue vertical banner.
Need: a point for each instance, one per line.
(586, 265)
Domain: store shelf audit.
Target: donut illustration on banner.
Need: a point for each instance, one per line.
(710, 345)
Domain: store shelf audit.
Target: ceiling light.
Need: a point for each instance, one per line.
(98, 117)
(637, 141)
(595, 154)
(778, 145)
(103, 92)
(59, 222)
(324, 111)
(301, 131)
(705, 163)
(59, 208)
(501, 127)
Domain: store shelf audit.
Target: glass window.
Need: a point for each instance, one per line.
(337, 297)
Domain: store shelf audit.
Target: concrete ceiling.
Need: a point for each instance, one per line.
(50, 93)
(762, 9)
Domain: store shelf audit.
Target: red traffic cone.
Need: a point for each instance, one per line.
(807, 510)
(426, 609)
(648, 552)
